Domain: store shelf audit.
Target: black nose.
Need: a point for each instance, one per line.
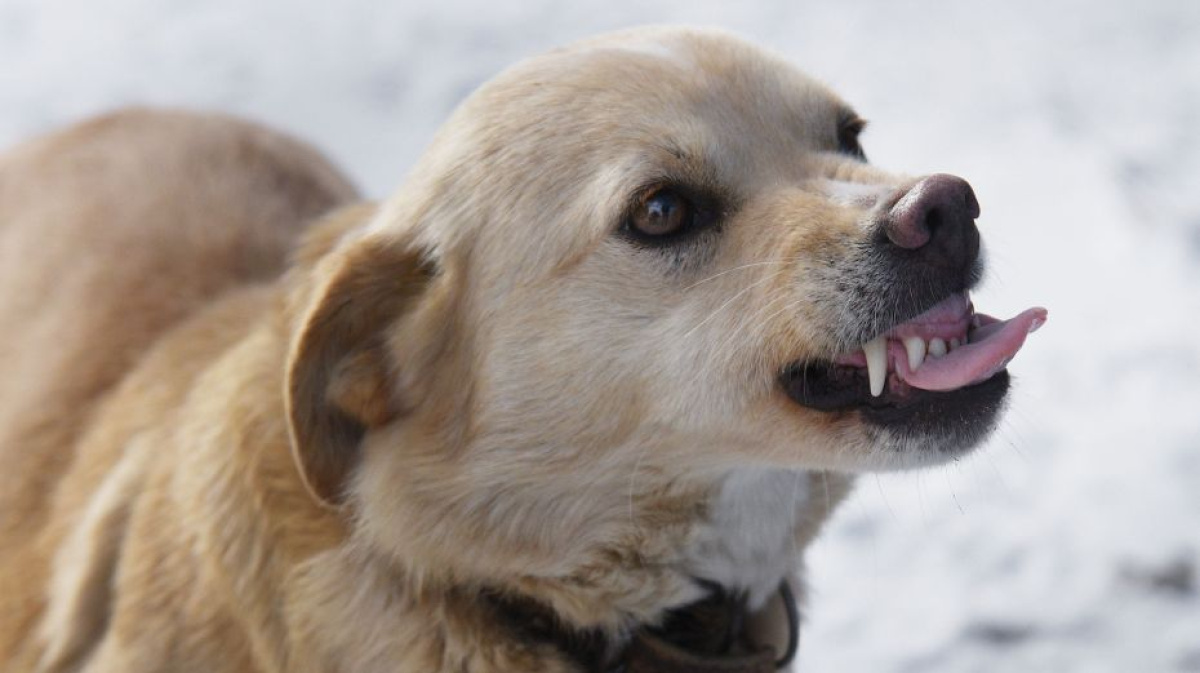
(935, 219)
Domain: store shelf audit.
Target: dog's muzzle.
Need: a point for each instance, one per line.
(927, 365)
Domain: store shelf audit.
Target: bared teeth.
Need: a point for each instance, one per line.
(915, 346)
(937, 347)
(875, 351)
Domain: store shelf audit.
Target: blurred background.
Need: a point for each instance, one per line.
(1072, 541)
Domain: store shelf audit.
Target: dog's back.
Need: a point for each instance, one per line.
(111, 234)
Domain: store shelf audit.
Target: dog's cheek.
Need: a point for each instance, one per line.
(803, 241)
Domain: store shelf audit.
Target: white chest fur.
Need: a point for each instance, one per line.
(748, 541)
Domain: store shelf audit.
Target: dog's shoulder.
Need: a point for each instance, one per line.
(139, 254)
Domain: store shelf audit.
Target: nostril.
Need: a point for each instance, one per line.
(907, 224)
(933, 221)
(969, 201)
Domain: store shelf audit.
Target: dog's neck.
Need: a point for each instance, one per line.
(745, 552)
(746, 537)
(745, 532)
(748, 543)
(600, 547)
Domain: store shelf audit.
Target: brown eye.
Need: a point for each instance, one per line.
(662, 213)
(848, 133)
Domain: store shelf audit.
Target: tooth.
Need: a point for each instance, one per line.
(955, 343)
(876, 352)
(915, 346)
(937, 347)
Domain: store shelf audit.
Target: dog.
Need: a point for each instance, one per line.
(576, 398)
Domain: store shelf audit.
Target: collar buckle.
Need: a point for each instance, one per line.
(709, 637)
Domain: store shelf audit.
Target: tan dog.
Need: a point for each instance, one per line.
(610, 354)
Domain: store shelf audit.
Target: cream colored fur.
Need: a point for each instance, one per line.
(217, 459)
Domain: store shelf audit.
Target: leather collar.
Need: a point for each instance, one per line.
(707, 636)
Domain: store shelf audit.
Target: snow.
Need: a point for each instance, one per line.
(1072, 541)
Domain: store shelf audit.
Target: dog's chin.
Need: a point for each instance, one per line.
(912, 427)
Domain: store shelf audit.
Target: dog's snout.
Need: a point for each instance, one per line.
(935, 219)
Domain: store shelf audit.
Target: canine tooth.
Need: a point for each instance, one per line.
(937, 347)
(915, 346)
(876, 352)
(955, 343)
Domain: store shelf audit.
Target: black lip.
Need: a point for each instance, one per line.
(885, 285)
(965, 415)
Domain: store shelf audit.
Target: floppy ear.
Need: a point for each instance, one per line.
(339, 371)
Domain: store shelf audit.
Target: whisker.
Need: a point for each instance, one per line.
(953, 495)
(727, 302)
(637, 465)
(739, 268)
(886, 502)
(825, 481)
(755, 317)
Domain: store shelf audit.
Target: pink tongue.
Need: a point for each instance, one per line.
(990, 347)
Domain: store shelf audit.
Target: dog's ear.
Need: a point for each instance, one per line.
(339, 370)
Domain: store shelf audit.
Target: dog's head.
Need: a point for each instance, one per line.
(659, 253)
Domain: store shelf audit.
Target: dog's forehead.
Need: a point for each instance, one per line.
(675, 84)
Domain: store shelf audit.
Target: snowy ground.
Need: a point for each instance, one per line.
(1072, 543)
